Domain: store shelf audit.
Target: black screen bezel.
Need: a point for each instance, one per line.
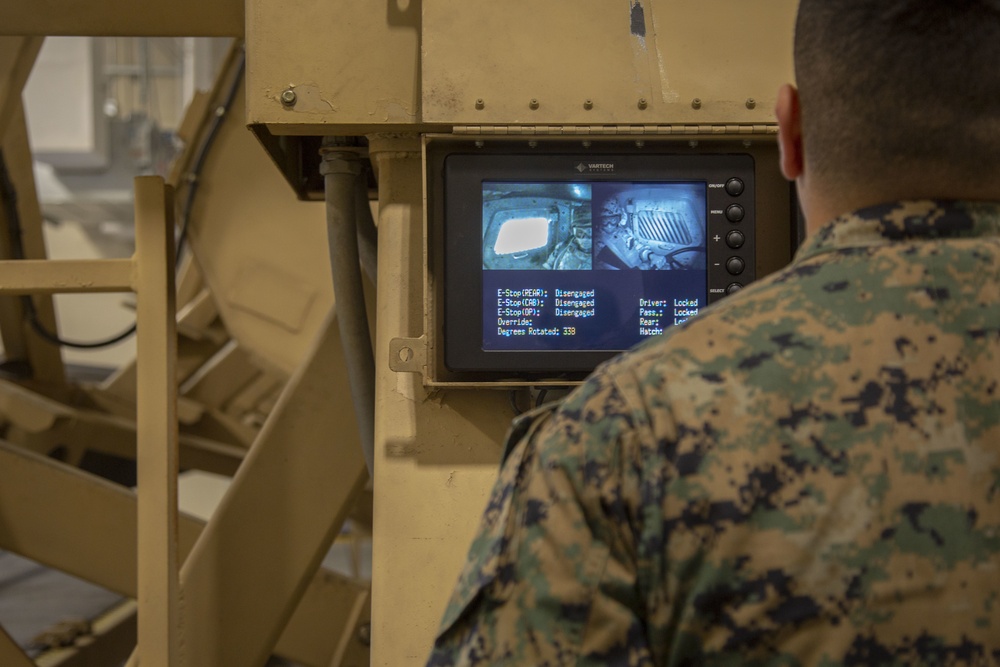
(464, 175)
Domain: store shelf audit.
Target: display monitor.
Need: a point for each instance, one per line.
(554, 263)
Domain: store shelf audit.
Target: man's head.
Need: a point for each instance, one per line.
(897, 99)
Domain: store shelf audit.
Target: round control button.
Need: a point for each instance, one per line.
(735, 239)
(734, 288)
(735, 265)
(734, 213)
(734, 187)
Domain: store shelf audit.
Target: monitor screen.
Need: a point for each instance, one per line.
(554, 263)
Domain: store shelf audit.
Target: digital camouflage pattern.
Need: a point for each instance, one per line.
(806, 474)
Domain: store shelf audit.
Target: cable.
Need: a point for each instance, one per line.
(192, 175)
(9, 195)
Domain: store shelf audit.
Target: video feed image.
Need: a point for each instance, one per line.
(649, 226)
(537, 226)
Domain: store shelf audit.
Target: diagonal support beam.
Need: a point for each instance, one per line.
(299, 480)
(83, 525)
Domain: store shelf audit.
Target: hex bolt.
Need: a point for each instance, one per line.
(588, 105)
(751, 103)
(642, 103)
(288, 97)
(480, 104)
(533, 103)
(696, 103)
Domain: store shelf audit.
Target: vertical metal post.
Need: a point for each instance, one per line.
(156, 460)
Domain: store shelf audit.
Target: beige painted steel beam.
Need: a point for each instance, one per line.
(436, 454)
(85, 526)
(141, 18)
(10, 653)
(72, 521)
(58, 276)
(286, 505)
(40, 423)
(156, 418)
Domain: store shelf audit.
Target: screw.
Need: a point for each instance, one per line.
(640, 143)
(480, 144)
(288, 97)
(751, 103)
(587, 143)
(532, 144)
(642, 102)
(480, 104)
(693, 143)
(588, 105)
(533, 103)
(696, 103)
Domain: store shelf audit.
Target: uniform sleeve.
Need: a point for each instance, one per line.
(551, 574)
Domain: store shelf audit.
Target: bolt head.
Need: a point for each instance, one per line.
(288, 97)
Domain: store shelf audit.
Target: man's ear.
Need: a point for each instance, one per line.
(789, 117)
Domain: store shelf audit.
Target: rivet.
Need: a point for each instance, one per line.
(696, 103)
(288, 97)
(751, 103)
(533, 103)
(642, 103)
(588, 105)
(480, 104)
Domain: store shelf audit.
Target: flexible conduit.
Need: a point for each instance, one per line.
(342, 170)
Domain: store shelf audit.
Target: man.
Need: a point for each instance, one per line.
(809, 473)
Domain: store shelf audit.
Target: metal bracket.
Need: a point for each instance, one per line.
(408, 355)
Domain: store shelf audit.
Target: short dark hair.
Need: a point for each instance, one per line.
(891, 86)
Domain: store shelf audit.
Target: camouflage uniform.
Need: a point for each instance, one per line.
(807, 474)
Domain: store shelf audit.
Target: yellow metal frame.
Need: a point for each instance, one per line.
(150, 273)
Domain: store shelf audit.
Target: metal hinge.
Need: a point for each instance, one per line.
(615, 130)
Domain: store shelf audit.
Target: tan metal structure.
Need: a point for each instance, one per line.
(660, 73)
(397, 78)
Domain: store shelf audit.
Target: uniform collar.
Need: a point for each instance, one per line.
(904, 221)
